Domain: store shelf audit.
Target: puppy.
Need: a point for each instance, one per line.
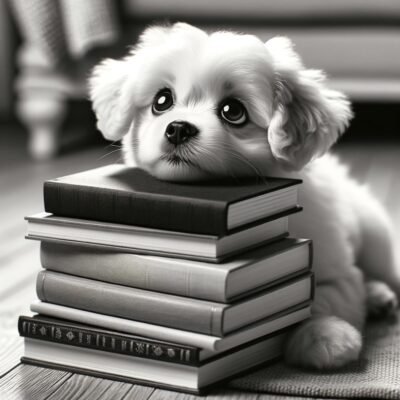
(193, 106)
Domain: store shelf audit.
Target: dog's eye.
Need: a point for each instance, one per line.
(233, 111)
(163, 101)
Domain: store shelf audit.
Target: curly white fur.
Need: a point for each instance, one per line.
(293, 118)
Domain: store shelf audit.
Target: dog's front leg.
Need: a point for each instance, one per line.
(332, 337)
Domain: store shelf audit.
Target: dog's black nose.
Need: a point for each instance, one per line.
(178, 132)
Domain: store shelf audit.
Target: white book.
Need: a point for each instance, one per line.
(172, 376)
(45, 226)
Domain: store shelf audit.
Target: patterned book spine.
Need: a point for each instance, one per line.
(105, 341)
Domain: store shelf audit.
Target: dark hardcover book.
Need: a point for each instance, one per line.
(178, 312)
(171, 376)
(131, 196)
(248, 272)
(73, 334)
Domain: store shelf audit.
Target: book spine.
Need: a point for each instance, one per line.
(136, 304)
(104, 341)
(160, 212)
(311, 254)
(150, 273)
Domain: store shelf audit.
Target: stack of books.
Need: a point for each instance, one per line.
(172, 285)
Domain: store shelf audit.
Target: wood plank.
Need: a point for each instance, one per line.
(215, 394)
(15, 231)
(160, 394)
(14, 305)
(137, 392)
(222, 394)
(81, 387)
(11, 349)
(26, 382)
(18, 291)
(277, 397)
(117, 391)
(22, 267)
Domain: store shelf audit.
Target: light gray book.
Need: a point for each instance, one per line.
(178, 312)
(160, 242)
(222, 283)
(209, 345)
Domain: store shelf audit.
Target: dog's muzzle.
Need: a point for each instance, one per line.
(178, 132)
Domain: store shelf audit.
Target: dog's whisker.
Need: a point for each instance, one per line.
(108, 154)
(246, 161)
(113, 144)
(227, 149)
(213, 159)
(205, 152)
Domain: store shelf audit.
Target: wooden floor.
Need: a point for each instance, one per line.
(21, 194)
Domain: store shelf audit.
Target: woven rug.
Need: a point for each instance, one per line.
(375, 376)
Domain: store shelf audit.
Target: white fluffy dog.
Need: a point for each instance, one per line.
(192, 105)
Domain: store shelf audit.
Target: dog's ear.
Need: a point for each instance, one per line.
(111, 101)
(307, 116)
(105, 87)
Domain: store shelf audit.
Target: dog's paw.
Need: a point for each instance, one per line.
(324, 343)
(381, 300)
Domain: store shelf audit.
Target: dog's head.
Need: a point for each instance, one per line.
(198, 105)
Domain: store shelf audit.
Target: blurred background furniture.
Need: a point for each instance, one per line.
(356, 42)
(54, 59)
(7, 44)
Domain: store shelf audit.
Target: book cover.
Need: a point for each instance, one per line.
(208, 343)
(170, 376)
(72, 334)
(119, 194)
(246, 273)
(178, 312)
(159, 242)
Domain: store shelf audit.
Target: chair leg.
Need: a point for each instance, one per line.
(43, 114)
(42, 94)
